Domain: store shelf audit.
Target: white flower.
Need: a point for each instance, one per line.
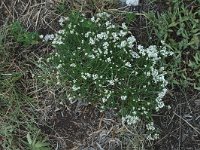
(48, 59)
(128, 64)
(102, 35)
(71, 31)
(91, 56)
(152, 137)
(87, 34)
(105, 45)
(148, 74)
(122, 33)
(108, 95)
(115, 37)
(123, 44)
(92, 42)
(41, 36)
(103, 14)
(59, 66)
(83, 76)
(62, 20)
(108, 59)
(130, 120)
(88, 75)
(97, 20)
(111, 82)
(73, 65)
(57, 40)
(134, 54)
(69, 26)
(160, 103)
(99, 51)
(130, 41)
(150, 126)
(124, 26)
(169, 107)
(123, 98)
(74, 88)
(61, 31)
(108, 23)
(104, 99)
(164, 52)
(162, 42)
(93, 19)
(94, 76)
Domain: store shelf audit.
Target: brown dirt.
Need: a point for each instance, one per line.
(70, 127)
(83, 126)
(179, 126)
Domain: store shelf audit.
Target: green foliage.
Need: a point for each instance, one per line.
(13, 102)
(103, 65)
(129, 17)
(17, 110)
(179, 28)
(36, 143)
(22, 36)
(195, 69)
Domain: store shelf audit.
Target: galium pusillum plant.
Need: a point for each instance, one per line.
(103, 64)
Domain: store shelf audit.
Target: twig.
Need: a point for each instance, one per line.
(187, 123)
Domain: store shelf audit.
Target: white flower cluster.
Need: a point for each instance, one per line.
(104, 59)
(62, 20)
(151, 130)
(123, 98)
(103, 15)
(151, 52)
(152, 137)
(158, 75)
(160, 103)
(130, 119)
(58, 39)
(150, 126)
(74, 88)
(86, 76)
(107, 95)
(165, 52)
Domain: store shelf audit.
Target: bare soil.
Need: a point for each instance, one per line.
(82, 126)
(179, 126)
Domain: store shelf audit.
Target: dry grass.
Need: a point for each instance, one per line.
(34, 14)
(179, 126)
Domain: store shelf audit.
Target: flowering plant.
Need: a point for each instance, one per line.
(103, 64)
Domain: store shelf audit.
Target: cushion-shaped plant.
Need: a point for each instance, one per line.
(103, 64)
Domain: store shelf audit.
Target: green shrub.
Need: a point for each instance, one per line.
(22, 36)
(179, 28)
(103, 64)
